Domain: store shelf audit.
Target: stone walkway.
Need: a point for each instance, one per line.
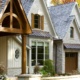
(73, 77)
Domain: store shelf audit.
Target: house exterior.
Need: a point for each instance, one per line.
(41, 39)
(67, 47)
(64, 42)
(55, 36)
(49, 38)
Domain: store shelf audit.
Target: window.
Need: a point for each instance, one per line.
(71, 32)
(40, 52)
(37, 21)
(17, 53)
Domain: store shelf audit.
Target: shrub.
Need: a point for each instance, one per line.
(2, 69)
(2, 72)
(48, 68)
(36, 69)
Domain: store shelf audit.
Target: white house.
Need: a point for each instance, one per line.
(66, 20)
(41, 40)
(55, 36)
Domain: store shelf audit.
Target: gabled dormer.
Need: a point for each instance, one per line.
(13, 18)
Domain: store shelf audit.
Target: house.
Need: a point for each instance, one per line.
(41, 39)
(61, 32)
(55, 36)
(66, 20)
(13, 22)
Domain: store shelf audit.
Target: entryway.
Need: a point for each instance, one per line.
(71, 61)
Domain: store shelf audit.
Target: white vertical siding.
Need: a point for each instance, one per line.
(12, 46)
(14, 65)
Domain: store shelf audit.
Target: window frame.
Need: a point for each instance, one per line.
(40, 21)
(71, 32)
(44, 53)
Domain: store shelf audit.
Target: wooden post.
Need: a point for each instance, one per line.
(24, 54)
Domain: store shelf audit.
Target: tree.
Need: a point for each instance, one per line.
(56, 2)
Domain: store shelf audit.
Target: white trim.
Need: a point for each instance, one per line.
(28, 47)
(52, 25)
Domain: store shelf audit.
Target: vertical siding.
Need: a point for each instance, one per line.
(3, 51)
(14, 65)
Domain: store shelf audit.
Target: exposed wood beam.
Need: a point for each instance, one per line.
(9, 30)
(24, 54)
(11, 11)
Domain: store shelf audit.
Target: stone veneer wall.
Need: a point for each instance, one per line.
(60, 57)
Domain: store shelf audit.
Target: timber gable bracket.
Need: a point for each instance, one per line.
(13, 19)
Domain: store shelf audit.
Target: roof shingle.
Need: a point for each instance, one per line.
(72, 46)
(41, 34)
(3, 2)
(61, 18)
(27, 5)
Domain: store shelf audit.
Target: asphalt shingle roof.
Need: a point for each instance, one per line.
(27, 5)
(3, 2)
(61, 18)
(40, 34)
(72, 46)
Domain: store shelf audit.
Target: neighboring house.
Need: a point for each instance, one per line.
(41, 39)
(55, 35)
(66, 20)
(13, 22)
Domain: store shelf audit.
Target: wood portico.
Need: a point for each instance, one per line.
(13, 21)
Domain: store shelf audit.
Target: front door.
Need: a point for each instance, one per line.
(70, 62)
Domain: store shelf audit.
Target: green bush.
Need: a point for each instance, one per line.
(48, 68)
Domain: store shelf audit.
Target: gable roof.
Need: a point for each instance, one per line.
(3, 7)
(72, 46)
(61, 18)
(27, 5)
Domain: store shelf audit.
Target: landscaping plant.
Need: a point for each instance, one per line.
(48, 68)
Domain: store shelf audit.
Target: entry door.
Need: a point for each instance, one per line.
(70, 62)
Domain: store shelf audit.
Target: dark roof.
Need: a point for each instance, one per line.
(61, 17)
(72, 46)
(3, 2)
(27, 5)
(40, 33)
